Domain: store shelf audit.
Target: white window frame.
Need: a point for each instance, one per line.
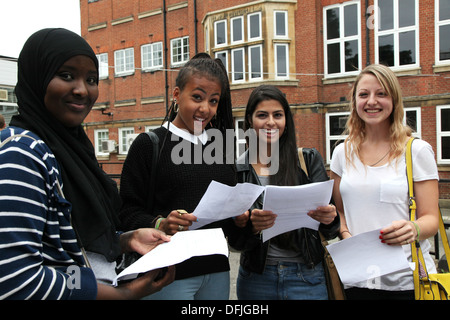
(439, 24)
(233, 72)
(233, 31)
(250, 63)
(153, 48)
(225, 63)
(239, 141)
(440, 134)
(124, 62)
(103, 69)
(395, 32)
(277, 75)
(216, 44)
(329, 137)
(123, 144)
(341, 40)
(418, 110)
(184, 50)
(249, 16)
(275, 19)
(98, 141)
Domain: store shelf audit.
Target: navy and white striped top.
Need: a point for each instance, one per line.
(39, 254)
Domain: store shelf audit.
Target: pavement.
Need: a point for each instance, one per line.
(234, 256)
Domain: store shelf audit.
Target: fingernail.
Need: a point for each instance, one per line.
(381, 237)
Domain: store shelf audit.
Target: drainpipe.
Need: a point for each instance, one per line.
(367, 15)
(165, 56)
(195, 27)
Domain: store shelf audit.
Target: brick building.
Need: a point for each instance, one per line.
(312, 50)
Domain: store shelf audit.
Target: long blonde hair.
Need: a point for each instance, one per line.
(355, 127)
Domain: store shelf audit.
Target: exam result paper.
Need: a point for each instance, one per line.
(182, 246)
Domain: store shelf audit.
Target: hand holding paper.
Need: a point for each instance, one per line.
(292, 204)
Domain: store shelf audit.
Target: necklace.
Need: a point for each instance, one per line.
(373, 165)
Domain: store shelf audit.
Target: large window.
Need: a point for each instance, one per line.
(396, 33)
(124, 139)
(103, 70)
(255, 66)
(180, 50)
(342, 50)
(281, 24)
(443, 134)
(254, 26)
(220, 33)
(237, 65)
(237, 30)
(99, 136)
(281, 61)
(124, 62)
(152, 56)
(442, 31)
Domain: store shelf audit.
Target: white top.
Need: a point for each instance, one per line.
(373, 197)
(186, 135)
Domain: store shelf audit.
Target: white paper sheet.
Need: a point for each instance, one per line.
(364, 257)
(221, 202)
(291, 205)
(182, 246)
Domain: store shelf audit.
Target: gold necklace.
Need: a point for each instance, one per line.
(373, 165)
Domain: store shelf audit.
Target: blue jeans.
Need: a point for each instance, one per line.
(285, 281)
(213, 286)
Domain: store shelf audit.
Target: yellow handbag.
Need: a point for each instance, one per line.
(433, 286)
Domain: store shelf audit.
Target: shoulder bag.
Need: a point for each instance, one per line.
(334, 285)
(433, 286)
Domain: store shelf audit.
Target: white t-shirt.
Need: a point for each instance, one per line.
(373, 197)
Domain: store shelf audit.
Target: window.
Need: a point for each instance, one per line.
(241, 143)
(103, 70)
(281, 24)
(443, 134)
(124, 142)
(335, 126)
(124, 61)
(152, 56)
(254, 26)
(220, 33)
(180, 50)
(237, 65)
(99, 136)
(442, 33)
(342, 39)
(281, 61)
(396, 33)
(255, 63)
(223, 56)
(237, 30)
(413, 120)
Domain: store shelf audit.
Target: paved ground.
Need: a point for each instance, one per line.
(234, 257)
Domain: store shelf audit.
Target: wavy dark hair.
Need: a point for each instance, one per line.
(288, 157)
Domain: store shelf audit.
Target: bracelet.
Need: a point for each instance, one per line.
(417, 229)
(158, 222)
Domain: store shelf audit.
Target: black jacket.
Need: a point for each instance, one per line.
(253, 250)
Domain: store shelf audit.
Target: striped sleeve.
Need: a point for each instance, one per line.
(39, 255)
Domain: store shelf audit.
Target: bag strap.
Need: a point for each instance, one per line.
(302, 160)
(416, 251)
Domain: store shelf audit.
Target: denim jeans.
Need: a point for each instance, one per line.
(213, 286)
(285, 281)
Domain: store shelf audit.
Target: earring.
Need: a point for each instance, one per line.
(175, 106)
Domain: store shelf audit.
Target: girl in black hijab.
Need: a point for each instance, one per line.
(93, 196)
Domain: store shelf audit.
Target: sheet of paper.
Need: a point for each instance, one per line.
(221, 202)
(364, 257)
(182, 246)
(291, 204)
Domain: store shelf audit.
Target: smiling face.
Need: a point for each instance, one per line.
(198, 102)
(72, 91)
(373, 104)
(269, 120)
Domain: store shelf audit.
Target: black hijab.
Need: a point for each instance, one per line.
(94, 197)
